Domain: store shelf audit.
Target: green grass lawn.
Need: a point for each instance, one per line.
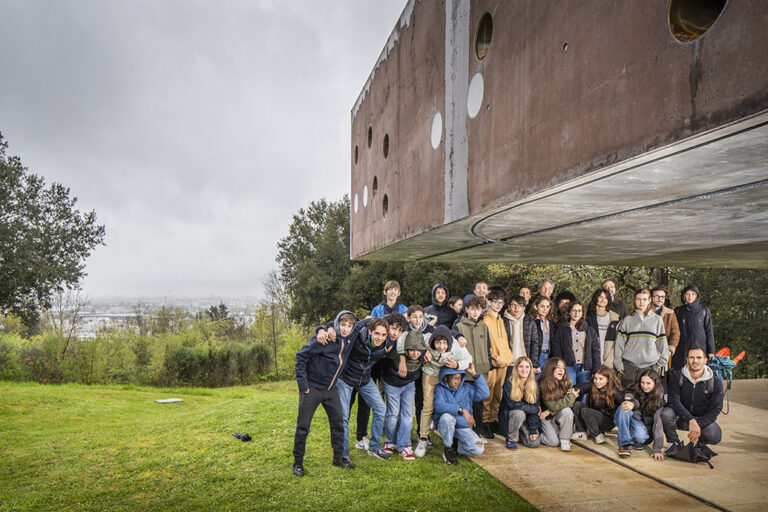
(75, 447)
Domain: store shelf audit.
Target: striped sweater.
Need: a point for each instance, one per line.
(641, 340)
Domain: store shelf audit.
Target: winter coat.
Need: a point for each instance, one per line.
(670, 325)
(610, 335)
(478, 343)
(440, 314)
(642, 342)
(698, 399)
(449, 401)
(653, 423)
(362, 357)
(532, 420)
(562, 347)
(383, 309)
(531, 338)
(695, 322)
(602, 405)
(455, 351)
(557, 404)
(319, 366)
(413, 340)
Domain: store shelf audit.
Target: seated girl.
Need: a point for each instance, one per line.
(557, 398)
(604, 399)
(519, 411)
(649, 392)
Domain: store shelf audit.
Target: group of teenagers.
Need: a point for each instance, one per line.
(534, 370)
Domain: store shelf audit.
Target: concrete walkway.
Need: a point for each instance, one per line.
(582, 480)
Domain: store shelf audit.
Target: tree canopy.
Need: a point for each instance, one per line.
(44, 239)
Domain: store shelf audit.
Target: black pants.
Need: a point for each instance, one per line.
(308, 403)
(419, 399)
(363, 414)
(591, 420)
(711, 434)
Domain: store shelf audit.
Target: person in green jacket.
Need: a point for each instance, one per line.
(557, 398)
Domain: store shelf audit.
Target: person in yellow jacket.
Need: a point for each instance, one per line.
(501, 358)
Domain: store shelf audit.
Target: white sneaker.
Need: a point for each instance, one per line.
(579, 435)
(565, 445)
(362, 444)
(599, 438)
(421, 448)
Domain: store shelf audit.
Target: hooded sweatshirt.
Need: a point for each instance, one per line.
(448, 401)
(478, 343)
(695, 398)
(383, 309)
(695, 322)
(641, 340)
(440, 314)
(413, 340)
(319, 366)
(455, 351)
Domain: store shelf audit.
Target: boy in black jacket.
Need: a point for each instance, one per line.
(317, 370)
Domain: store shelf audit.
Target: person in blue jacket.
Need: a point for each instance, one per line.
(390, 304)
(318, 368)
(453, 411)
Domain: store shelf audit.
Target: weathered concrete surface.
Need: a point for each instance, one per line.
(601, 138)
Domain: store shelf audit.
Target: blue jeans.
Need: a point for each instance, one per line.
(370, 393)
(399, 406)
(543, 358)
(576, 374)
(469, 442)
(631, 430)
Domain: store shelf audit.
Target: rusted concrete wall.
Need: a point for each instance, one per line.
(570, 88)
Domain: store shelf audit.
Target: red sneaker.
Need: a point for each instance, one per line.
(389, 448)
(407, 453)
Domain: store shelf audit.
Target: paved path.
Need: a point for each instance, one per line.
(582, 480)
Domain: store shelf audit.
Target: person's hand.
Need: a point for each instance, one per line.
(694, 431)
(627, 406)
(544, 415)
(427, 356)
(462, 341)
(322, 337)
(402, 371)
(305, 391)
(533, 437)
(574, 391)
(672, 350)
(471, 370)
(451, 362)
(658, 456)
(469, 418)
(537, 370)
(332, 334)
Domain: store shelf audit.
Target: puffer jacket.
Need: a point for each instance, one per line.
(440, 314)
(531, 338)
(448, 401)
(695, 323)
(562, 347)
(532, 420)
(478, 342)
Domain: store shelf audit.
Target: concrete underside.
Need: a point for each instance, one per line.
(702, 202)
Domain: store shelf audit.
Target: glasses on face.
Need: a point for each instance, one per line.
(659, 296)
(497, 301)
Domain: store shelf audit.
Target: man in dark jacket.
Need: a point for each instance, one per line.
(695, 401)
(439, 312)
(695, 322)
(367, 349)
(317, 369)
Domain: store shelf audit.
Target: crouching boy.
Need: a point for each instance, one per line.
(453, 406)
(317, 369)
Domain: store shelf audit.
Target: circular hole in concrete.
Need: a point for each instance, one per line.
(385, 145)
(375, 187)
(356, 202)
(370, 136)
(475, 95)
(365, 196)
(690, 19)
(385, 205)
(484, 34)
(356, 152)
(437, 130)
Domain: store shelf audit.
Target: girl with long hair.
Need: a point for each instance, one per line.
(577, 343)
(542, 315)
(604, 322)
(520, 414)
(596, 414)
(649, 393)
(557, 398)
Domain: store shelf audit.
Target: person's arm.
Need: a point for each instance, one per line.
(481, 387)
(673, 336)
(594, 348)
(555, 406)
(443, 406)
(673, 389)
(715, 405)
(505, 392)
(658, 434)
(710, 333)
(533, 346)
(662, 346)
(555, 342)
(302, 356)
(618, 348)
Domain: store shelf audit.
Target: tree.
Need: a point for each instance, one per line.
(44, 239)
(64, 316)
(274, 308)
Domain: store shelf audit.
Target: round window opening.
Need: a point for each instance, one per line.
(365, 196)
(375, 187)
(436, 133)
(385, 205)
(356, 202)
(370, 136)
(484, 34)
(385, 145)
(690, 19)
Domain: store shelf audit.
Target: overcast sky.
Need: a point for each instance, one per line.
(194, 129)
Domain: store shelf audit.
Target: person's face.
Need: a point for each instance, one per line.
(600, 381)
(378, 335)
(523, 370)
(610, 287)
(559, 371)
(457, 306)
(525, 293)
(392, 294)
(563, 305)
(602, 300)
(416, 318)
(481, 289)
(641, 301)
(345, 327)
(441, 345)
(413, 354)
(576, 312)
(496, 305)
(440, 295)
(546, 289)
(395, 331)
(515, 309)
(647, 384)
(658, 298)
(696, 360)
(543, 307)
(690, 296)
(454, 381)
(474, 312)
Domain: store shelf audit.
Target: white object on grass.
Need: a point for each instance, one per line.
(169, 400)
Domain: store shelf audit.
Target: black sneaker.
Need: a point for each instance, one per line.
(344, 463)
(298, 469)
(638, 447)
(487, 432)
(380, 454)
